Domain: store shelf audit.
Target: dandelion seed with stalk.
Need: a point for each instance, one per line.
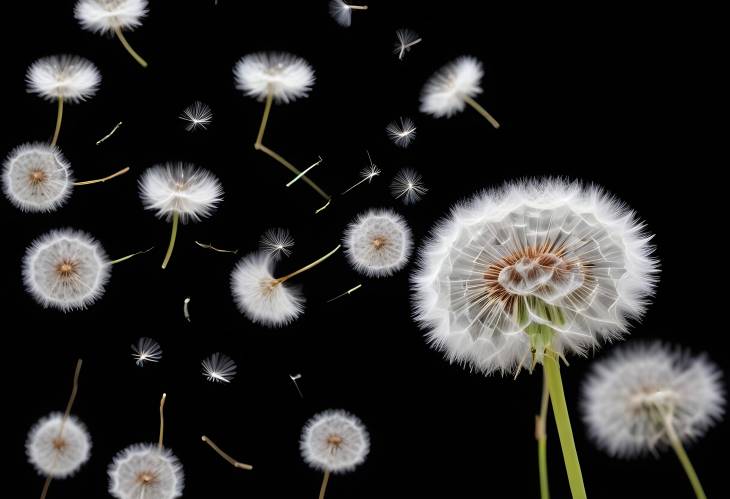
(112, 17)
(408, 186)
(402, 132)
(64, 79)
(366, 175)
(219, 368)
(179, 193)
(146, 350)
(529, 272)
(197, 115)
(406, 40)
(341, 12)
(276, 243)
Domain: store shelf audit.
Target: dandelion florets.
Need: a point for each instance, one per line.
(402, 132)
(68, 77)
(37, 178)
(287, 77)
(58, 448)
(105, 16)
(443, 94)
(219, 368)
(408, 186)
(334, 441)
(146, 471)
(378, 243)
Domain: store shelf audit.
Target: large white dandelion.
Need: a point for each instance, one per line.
(58, 446)
(146, 471)
(378, 243)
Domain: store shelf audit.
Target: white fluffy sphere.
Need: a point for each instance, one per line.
(627, 395)
(334, 441)
(529, 253)
(66, 269)
(104, 16)
(69, 77)
(378, 243)
(288, 77)
(145, 471)
(54, 452)
(259, 297)
(443, 94)
(36, 177)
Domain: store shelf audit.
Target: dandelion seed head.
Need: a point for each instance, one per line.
(259, 297)
(408, 186)
(191, 192)
(37, 178)
(197, 115)
(65, 269)
(106, 16)
(288, 77)
(143, 470)
(443, 94)
(627, 396)
(334, 441)
(378, 243)
(402, 132)
(70, 77)
(57, 453)
(146, 350)
(276, 243)
(219, 368)
(540, 251)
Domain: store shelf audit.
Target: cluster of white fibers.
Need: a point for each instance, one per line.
(191, 192)
(443, 94)
(532, 252)
(68, 77)
(378, 243)
(144, 471)
(66, 269)
(627, 397)
(54, 452)
(287, 77)
(260, 297)
(36, 177)
(106, 16)
(334, 441)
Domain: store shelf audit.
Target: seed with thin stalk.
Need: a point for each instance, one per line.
(219, 368)
(112, 16)
(341, 11)
(402, 132)
(179, 193)
(266, 299)
(406, 40)
(64, 79)
(452, 87)
(146, 350)
(276, 243)
(407, 185)
(197, 115)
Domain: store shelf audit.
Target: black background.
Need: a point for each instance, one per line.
(603, 95)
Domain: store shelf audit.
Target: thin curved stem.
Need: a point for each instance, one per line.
(96, 181)
(129, 48)
(59, 118)
(264, 119)
(293, 169)
(306, 267)
(551, 369)
(233, 462)
(130, 256)
(325, 480)
(162, 420)
(72, 398)
(173, 236)
(46, 484)
(481, 110)
(684, 458)
(541, 436)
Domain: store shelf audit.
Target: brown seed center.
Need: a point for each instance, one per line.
(66, 268)
(335, 440)
(379, 242)
(59, 443)
(145, 477)
(37, 177)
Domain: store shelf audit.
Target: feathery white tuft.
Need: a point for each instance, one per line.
(36, 177)
(334, 441)
(402, 132)
(493, 268)
(146, 350)
(145, 471)
(69, 77)
(259, 298)
(192, 192)
(408, 186)
(443, 94)
(276, 242)
(219, 368)
(341, 12)
(288, 77)
(57, 453)
(378, 243)
(105, 16)
(406, 40)
(627, 396)
(197, 115)
(66, 269)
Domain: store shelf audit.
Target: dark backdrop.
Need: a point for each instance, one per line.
(604, 95)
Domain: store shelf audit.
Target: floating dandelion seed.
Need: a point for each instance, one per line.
(217, 250)
(453, 86)
(146, 350)
(112, 16)
(378, 243)
(334, 442)
(276, 242)
(37, 178)
(294, 379)
(275, 77)
(406, 39)
(402, 132)
(341, 12)
(181, 193)
(348, 292)
(63, 78)
(408, 186)
(219, 368)
(263, 298)
(644, 398)
(198, 115)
